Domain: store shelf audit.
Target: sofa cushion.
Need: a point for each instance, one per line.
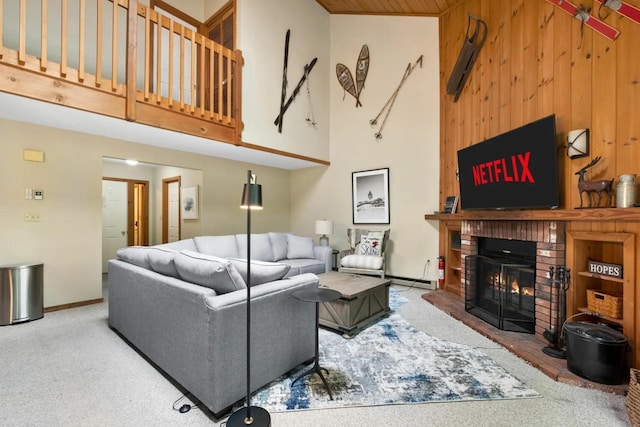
(220, 246)
(137, 255)
(216, 273)
(303, 265)
(370, 262)
(260, 247)
(179, 245)
(161, 260)
(278, 245)
(261, 271)
(299, 247)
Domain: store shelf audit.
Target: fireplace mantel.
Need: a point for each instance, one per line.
(593, 214)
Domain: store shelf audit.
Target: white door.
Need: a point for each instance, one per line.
(173, 211)
(114, 219)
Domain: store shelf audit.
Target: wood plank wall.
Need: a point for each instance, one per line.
(534, 63)
(530, 67)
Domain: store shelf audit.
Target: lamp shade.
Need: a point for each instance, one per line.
(251, 196)
(578, 143)
(324, 226)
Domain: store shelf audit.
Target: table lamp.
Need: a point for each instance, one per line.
(324, 227)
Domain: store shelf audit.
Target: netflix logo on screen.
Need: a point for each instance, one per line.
(514, 170)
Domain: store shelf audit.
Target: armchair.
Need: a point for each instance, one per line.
(367, 252)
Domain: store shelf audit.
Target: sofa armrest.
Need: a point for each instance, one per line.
(324, 254)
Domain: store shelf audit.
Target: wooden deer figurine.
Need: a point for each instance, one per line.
(590, 187)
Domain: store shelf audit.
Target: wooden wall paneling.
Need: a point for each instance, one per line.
(545, 57)
(562, 98)
(581, 89)
(451, 39)
(603, 117)
(471, 98)
(627, 96)
(530, 80)
(504, 70)
(516, 40)
(490, 77)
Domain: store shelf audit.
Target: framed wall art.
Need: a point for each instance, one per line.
(189, 202)
(370, 193)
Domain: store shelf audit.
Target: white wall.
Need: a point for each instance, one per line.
(262, 25)
(409, 146)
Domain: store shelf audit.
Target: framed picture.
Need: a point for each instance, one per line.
(189, 202)
(370, 192)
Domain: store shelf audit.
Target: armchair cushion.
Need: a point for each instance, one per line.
(369, 262)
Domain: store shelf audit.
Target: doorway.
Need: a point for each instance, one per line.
(125, 215)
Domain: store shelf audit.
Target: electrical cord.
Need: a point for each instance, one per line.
(425, 273)
(184, 408)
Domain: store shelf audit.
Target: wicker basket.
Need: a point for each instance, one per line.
(607, 304)
(633, 398)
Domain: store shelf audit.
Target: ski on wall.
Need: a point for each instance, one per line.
(582, 15)
(624, 9)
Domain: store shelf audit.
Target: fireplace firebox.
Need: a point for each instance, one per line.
(500, 285)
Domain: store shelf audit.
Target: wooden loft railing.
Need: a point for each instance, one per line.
(121, 59)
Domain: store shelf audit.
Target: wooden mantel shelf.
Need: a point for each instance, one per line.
(594, 214)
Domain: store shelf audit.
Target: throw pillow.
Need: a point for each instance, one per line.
(220, 246)
(299, 247)
(161, 260)
(261, 271)
(279, 245)
(136, 255)
(370, 245)
(260, 247)
(216, 273)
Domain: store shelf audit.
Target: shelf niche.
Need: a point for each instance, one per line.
(614, 248)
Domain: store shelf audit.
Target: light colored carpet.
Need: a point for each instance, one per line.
(70, 369)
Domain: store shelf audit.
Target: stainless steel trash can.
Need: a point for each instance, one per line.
(21, 293)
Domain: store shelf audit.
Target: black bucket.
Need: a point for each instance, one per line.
(596, 352)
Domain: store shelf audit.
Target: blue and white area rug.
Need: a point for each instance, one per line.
(391, 362)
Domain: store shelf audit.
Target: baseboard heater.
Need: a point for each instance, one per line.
(431, 284)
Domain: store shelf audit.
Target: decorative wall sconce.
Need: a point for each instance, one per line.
(578, 143)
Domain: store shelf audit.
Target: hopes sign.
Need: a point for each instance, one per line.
(515, 170)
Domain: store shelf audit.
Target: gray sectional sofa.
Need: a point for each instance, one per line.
(183, 305)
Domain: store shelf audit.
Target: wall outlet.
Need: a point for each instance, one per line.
(33, 217)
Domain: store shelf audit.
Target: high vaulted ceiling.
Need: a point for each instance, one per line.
(389, 7)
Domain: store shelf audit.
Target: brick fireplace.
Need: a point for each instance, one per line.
(549, 237)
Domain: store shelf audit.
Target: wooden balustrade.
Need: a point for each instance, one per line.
(141, 59)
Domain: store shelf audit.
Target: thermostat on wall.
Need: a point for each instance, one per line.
(38, 194)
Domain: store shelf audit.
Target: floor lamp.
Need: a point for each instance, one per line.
(250, 415)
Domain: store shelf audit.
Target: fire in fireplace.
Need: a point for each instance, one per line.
(500, 285)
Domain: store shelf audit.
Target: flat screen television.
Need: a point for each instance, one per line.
(514, 170)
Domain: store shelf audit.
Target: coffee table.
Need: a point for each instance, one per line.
(363, 300)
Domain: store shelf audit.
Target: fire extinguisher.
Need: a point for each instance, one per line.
(440, 270)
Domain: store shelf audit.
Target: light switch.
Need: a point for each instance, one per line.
(28, 193)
